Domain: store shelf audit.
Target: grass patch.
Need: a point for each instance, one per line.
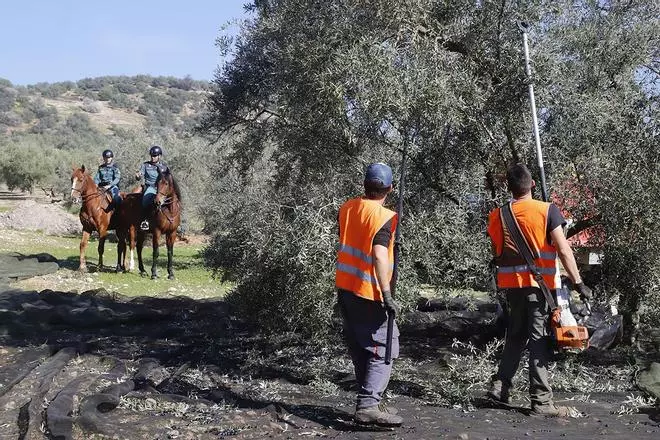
(192, 278)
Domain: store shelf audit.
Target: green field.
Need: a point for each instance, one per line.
(192, 278)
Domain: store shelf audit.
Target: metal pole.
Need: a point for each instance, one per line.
(397, 254)
(532, 102)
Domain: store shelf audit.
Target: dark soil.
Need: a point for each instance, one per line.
(97, 365)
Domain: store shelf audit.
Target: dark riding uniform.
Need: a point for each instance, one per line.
(150, 172)
(109, 175)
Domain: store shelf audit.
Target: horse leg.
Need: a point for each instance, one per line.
(83, 249)
(102, 236)
(170, 238)
(132, 235)
(155, 238)
(140, 245)
(121, 251)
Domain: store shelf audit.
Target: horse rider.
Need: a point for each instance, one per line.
(107, 178)
(150, 171)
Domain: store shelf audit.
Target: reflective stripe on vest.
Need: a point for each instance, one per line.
(359, 221)
(356, 253)
(356, 272)
(512, 272)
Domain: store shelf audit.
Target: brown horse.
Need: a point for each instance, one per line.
(128, 218)
(165, 220)
(93, 215)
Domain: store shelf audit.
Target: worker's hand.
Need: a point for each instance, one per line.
(138, 175)
(584, 291)
(390, 305)
(106, 187)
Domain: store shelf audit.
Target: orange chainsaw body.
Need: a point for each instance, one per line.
(568, 337)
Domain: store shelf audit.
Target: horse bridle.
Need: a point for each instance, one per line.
(83, 196)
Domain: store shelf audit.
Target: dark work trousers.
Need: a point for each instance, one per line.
(365, 331)
(527, 326)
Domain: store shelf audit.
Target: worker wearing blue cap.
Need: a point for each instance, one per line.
(365, 261)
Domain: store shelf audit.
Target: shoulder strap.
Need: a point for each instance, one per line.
(524, 250)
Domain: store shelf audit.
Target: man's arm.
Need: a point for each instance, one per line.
(97, 177)
(140, 173)
(566, 254)
(382, 265)
(115, 181)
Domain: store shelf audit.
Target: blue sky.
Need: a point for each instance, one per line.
(62, 40)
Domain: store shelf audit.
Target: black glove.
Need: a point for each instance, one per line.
(390, 305)
(584, 291)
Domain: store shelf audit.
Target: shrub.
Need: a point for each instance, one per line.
(90, 106)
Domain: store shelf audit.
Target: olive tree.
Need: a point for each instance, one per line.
(318, 89)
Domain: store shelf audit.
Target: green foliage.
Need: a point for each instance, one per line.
(22, 168)
(283, 285)
(317, 90)
(7, 98)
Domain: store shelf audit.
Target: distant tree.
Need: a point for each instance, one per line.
(93, 84)
(22, 168)
(8, 97)
(10, 119)
(160, 82)
(186, 83)
(90, 106)
(123, 101)
(127, 87)
(78, 122)
(107, 93)
(47, 116)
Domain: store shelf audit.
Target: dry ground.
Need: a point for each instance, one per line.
(99, 365)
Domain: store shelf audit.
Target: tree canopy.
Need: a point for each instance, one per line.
(318, 89)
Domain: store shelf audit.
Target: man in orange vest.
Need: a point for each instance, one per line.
(364, 270)
(541, 224)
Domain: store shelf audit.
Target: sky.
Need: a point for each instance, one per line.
(67, 40)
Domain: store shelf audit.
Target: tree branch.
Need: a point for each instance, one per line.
(510, 142)
(582, 225)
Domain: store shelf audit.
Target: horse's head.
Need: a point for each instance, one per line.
(166, 188)
(78, 178)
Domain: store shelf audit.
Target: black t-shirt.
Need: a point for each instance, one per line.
(384, 235)
(555, 219)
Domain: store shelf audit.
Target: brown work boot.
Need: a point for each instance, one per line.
(387, 409)
(374, 416)
(499, 393)
(551, 410)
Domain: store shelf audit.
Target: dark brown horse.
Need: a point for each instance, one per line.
(128, 218)
(93, 215)
(165, 220)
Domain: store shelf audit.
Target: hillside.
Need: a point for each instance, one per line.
(127, 102)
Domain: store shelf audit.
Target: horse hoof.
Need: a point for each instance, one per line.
(82, 269)
(154, 277)
(170, 276)
(143, 274)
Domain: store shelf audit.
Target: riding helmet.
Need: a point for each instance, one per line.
(107, 153)
(155, 151)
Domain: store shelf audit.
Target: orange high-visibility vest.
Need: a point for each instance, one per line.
(512, 271)
(359, 221)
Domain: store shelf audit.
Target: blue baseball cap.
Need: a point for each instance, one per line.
(379, 174)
